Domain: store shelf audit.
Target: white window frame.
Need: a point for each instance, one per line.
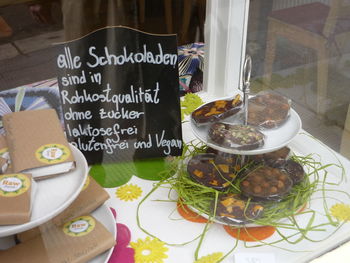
(225, 41)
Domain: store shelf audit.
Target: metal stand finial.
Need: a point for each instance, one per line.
(247, 69)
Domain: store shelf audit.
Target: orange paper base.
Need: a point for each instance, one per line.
(189, 215)
(250, 234)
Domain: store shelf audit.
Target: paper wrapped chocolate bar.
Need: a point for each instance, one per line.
(268, 110)
(232, 209)
(216, 110)
(77, 241)
(91, 197)
(37, 144)
(16, 192)
(3, 165)
(3, 146)
(235, 136)
(211, 170)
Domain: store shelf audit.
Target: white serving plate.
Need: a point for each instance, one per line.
(53, 195)
(274, 138)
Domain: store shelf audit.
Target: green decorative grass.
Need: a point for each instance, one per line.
(282, 215)
(201, 197)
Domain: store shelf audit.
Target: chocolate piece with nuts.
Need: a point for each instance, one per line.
(216, 110)
(231, 209)
(292, 168)
(268, 110)
(266, 183)
(271, 157)
(240, 137)
(211, 170)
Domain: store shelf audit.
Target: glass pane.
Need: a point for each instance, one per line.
(300, 49)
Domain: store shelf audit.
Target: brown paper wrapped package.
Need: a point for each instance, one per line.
(3, 143)
(9, 169)
(16, 209)
(3, 165)
(91, 197)
(31, 137)
(59, 244)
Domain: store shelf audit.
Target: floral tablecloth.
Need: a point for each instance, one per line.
(150, 229)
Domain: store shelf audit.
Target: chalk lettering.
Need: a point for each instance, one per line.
(130, 57)
(135, 96)
(88, 130)
(109, 145)
(67, 61)
(74, 80)
(122, 114)
(96, 77)
(120, 94)
(168, 144)
(71, 115)
(143, 144)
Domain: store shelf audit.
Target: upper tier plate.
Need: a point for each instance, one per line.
(53, 195)
(274, 138)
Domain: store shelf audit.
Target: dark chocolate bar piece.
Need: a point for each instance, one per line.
(268, 110)
(232, 209)
(216, 110)
(240, 137)
(211, 170)
(292, 168)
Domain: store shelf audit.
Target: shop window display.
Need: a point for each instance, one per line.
(262, 174)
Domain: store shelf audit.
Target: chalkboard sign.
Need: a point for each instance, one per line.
(120, 95)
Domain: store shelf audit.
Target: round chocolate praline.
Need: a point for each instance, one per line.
(266, 183)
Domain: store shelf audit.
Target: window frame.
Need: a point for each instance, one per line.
(225, 46)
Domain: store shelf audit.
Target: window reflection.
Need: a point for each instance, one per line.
(28, 29)
(300, 49)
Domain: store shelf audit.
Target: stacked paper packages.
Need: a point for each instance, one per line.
(34, 148)
(74, 235)
(91, 197)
